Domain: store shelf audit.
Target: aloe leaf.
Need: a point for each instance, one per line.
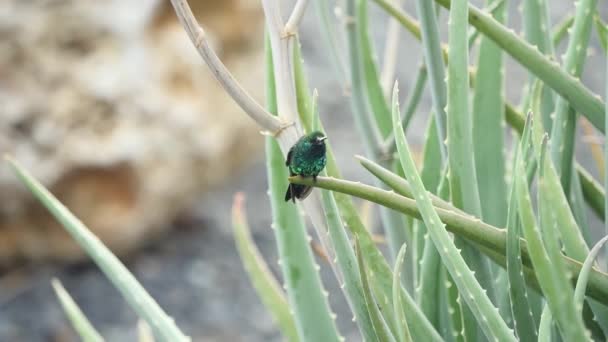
(583, 277)
(564, 128)
(566, 85)
(402, 327)
(592, 190)
(605, 206)
(306, 295)
(402, 186)
(420, 327)
(544, 329)
(378, 322)
(464, 190)
(536, 31)
(520, 307)
(425, 268)
(79, 321)
(381, 282)
(434, 62)
(463, 181)
(602, 31)
(488, 131)
(347, 262)
(403, 18)
(359, 105)
(574, 243)
(373, 87)
(266, 286)
(537, 24)
(164, 327)
(479, 303)
(554, 283)
(561, 29)
(428, 288)
(445, 324)
(454, 303)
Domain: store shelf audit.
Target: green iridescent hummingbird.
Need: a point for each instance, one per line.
(306, 158)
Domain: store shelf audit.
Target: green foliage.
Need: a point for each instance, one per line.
(81, 324)
(163, 326)
(266, 285)
(466, 204)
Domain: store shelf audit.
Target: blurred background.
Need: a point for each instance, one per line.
(110, 106)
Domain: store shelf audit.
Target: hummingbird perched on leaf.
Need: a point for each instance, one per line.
(306, 158)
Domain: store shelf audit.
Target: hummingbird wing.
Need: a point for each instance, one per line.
(288, 160)
(304, 192)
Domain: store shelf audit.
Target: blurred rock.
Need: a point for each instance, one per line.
(109, 105)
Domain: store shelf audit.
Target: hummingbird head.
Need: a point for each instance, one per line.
(317, 138)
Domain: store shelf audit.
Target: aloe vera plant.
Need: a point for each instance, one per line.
(495, 228)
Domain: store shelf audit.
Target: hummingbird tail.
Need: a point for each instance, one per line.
(297, 191)
(289, 194)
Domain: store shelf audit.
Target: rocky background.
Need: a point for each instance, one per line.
(111, 108)
(109, 105)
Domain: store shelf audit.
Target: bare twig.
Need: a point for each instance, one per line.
(282, 56)
(295, 18)
(221, 73)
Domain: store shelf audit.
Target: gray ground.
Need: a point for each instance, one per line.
(195, 273)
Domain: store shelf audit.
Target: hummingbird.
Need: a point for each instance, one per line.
(305, 158)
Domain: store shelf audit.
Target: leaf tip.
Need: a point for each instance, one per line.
(237, 207)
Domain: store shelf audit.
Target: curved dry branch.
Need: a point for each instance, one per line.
(198, 37)
(295, 18)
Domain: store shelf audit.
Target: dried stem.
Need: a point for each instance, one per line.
(220, 72)
(295, 18)
(282, 56)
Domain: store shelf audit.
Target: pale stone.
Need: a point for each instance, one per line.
(109, 105)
